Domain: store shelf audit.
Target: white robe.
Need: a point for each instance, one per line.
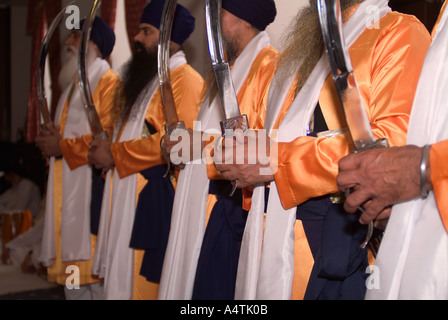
(76, 184)
(25, 195)
(412, 262)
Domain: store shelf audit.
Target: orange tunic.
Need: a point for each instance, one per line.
(387, 63)
(75, 152)
(134, 156)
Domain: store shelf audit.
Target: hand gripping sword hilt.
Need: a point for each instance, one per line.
(380, 143)
(169, 129)
(228, 128)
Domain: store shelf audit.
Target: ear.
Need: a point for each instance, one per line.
(174, 47)
(246, 24)
(94, 47)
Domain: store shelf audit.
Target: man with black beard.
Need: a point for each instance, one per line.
(67, 237)
(130, 251)
(311, 247)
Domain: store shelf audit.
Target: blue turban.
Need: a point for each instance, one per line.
(259, 13)
(183, 24)
(102, 35)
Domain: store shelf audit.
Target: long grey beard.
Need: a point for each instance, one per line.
(69, 71)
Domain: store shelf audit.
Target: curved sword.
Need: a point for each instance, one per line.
(41, 95)
(84, 85)
(234, 119)
(169, 106)
(330, 19)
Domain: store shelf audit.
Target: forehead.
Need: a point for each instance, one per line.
(75, 33)
(228, 15)
(147, 27)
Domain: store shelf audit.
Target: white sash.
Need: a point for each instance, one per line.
(114, 259)
(189, 210)
(413, 257)
(76, 184)
(266, 265)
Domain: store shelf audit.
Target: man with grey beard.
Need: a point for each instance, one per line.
(326, 260)
(68, 236)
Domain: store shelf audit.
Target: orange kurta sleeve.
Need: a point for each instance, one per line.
(253, 94)
(133, 156)
(387, 63)
(75, 150)
(439, 177)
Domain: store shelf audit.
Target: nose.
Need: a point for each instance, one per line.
(138, 36)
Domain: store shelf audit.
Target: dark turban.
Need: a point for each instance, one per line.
(102, 35)
(259, 13)
(183, 24)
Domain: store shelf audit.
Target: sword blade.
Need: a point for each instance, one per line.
(330, 19)
(234, 118)
(166, 89)
(341, 68)
(42, 97)
(84, 85)
(221, 67)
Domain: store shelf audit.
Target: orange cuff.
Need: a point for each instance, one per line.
(134, 156)
(75, 151)
(439, 177)
(285, 190)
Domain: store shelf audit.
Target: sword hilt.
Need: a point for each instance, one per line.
(169, 129)
(227, 128)
(102, 135)
(380, 143)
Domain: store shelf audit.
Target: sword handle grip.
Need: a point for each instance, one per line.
(102, 135)
(227, 128)
(380, 143)
(169, 128)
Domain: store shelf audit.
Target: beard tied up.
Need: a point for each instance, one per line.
(304, 45)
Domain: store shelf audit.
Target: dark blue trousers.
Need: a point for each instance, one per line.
(96, 200)
(218, 261)
(334, 236)
(152, 221)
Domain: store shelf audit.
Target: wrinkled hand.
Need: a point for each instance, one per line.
(380, 178)
(100, 155)
(48, 141)
(246, 158)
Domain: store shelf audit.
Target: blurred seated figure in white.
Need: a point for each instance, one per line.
(23, 194)
(23, 251)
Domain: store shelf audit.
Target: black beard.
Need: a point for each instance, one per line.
(231, 50)
(138, 72)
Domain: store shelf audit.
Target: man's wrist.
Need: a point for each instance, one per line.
(425, 173)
